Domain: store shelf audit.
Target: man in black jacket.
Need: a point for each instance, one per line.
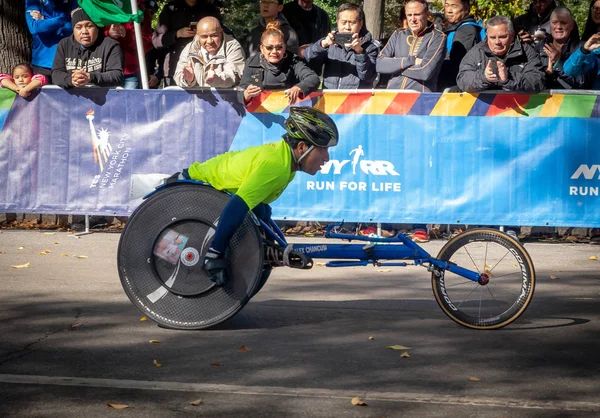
(463, 33)
(87, 57)
(310, 22)
(503, 62)
(351, 65)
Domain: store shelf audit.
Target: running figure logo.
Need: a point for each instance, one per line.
(358, 152)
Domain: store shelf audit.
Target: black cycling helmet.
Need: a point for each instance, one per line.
(311, 125)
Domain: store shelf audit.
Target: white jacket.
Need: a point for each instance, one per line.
(228, 65)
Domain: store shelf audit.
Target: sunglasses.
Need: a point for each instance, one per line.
(274, 47)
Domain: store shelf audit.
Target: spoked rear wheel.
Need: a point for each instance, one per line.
(506, 264)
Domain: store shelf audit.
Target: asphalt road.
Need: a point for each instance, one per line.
(72, 343)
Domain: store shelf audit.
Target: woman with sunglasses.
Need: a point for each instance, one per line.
(586, 60)
(276, 69)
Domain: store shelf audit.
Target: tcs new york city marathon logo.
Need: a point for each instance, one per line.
(110, 160)
(358, 166)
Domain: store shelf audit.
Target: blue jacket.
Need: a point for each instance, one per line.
(344, 68)
(587, 65)
(47, 32)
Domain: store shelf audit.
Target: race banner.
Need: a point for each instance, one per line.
(403, 157)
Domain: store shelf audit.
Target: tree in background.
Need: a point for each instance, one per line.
(15, 40)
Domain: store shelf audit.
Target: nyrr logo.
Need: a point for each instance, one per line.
(588, 173)
(371, 167)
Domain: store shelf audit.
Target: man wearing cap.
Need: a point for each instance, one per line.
(87, 57)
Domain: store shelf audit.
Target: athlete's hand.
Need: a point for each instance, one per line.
(292, 94)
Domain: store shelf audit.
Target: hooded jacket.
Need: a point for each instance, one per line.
(103, 60)
(228, 64)
(399, 55)
(586, 64)
(465, 38)
(47, 32)
(525, 70)
(174, 16)
(292, 71)
(252, 40)
(310, 25)
(344, 68)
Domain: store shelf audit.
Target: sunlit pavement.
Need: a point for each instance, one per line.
(72, 343)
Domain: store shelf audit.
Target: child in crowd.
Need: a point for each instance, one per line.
(22, 81)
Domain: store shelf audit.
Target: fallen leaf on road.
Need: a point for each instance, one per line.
(474, 379)
(75, 326)
(405, 355)
(57, 242)
(49, 233)
(154, 342)
(216, 363)
(320, 264)
(143, 318)
(397, 347)
(244, 349)
(21, 248)
(64, 254)
(82, 256)
(553, 277)
(371, 338)
(156, 363)
(1, 252)
(117, 406)
(357, 402)
(45, 252)
(22, 266)
(384, 270)
(593, 257)
(196, 402)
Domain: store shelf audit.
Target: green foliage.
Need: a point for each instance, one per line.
(580, 9)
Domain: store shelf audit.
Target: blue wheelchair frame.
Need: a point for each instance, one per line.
(350, 255)
(401, 248)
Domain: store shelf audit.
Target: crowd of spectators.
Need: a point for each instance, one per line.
(292, 47)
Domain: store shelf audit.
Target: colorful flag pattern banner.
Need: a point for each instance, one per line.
(403, 157)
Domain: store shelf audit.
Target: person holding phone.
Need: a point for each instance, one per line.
(533, 26)
(276, 69)
(349, 54)
(502, 62)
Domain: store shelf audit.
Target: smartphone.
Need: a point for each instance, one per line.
(494, 66)
(343, 38)
(193, 25)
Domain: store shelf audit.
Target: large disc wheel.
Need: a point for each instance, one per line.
(161, 256)
(510, 279)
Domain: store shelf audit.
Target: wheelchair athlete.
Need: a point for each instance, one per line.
(258, 175)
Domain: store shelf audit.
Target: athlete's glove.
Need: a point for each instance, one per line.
(216, 266)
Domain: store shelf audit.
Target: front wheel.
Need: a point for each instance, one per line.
(511, 279)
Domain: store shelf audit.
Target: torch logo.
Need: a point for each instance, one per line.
(100, 145)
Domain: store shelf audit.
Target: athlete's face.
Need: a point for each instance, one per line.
(314, 160)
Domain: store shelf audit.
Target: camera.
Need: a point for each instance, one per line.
(343, 38)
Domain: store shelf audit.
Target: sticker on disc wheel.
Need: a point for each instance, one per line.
(190, 257)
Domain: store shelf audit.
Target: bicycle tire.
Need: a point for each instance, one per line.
(191, 300)
(511, 274)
